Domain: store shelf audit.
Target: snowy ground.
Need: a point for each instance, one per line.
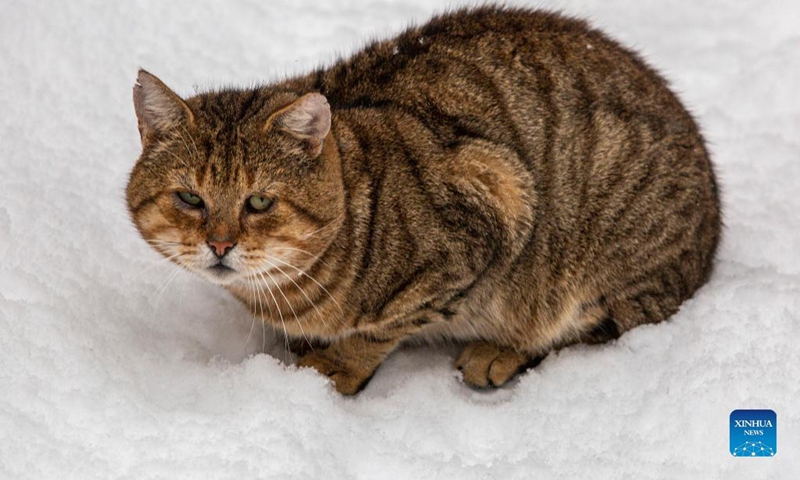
(103, 374)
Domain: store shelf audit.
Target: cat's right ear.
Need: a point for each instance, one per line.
(307, 119)
(158, 108)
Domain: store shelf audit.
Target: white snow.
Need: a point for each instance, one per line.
(106, 372)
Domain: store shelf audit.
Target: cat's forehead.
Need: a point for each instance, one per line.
(234, 109)
(226, 146)
(230, 165)
(226, 158)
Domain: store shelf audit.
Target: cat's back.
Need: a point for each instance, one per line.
(475, 38)
(485, 61)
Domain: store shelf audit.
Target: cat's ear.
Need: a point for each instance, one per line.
(307, 118)
(158, 108)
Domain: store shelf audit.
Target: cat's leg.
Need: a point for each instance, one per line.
(485, 364)
(650, 299)
(351, 361)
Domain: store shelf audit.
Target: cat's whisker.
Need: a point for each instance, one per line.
(166, 283)
(162, 242)
(263, 327)
(168, 245)
(160, 245)
(183, 140)
(263, 324)
(159, 240)
(167, 250)
(315, 257)
(319, 314)
(303, 273)
(277, 307)
(173, 155)
(311, 234)
(183, 287)
(259, 292)
(296, 319)
(194, 145)
(157, 264)
(263, 335)
(163, 280)
(172, 275)
(253, 297)
(250, 304)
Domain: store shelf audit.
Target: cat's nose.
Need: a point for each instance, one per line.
(220, 248)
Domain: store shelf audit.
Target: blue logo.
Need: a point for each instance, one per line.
(754, 433)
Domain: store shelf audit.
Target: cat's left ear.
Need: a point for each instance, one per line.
(307, 118)
(158, 109)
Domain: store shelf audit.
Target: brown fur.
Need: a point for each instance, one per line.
(505, 178)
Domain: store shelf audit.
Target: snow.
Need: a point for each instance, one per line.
(107, 371)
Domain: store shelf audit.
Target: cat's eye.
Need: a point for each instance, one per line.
(259, 204)
(191, 199)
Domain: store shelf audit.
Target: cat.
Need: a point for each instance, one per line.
(508, 180)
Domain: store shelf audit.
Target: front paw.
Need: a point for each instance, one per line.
(486, 365)
(348, 380)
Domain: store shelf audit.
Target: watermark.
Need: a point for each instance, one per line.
(754, 433)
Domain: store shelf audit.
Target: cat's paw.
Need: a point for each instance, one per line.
(347, 381)
(485, 365)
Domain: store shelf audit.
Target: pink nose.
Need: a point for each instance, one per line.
(220, 249)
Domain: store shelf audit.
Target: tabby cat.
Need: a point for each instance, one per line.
(509, 180)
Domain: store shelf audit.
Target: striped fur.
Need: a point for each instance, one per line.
(506, 178)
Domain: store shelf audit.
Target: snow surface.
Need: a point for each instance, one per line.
(105, 372)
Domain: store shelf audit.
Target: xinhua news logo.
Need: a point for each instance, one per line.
(754, 433)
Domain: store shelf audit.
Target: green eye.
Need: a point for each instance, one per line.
(191, 199)
(257, 203)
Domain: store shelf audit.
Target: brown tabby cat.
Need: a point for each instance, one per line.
(511, 180)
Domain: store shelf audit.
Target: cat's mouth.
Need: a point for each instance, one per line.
(221, 269)
(221, 272)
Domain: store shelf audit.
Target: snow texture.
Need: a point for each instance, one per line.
(107, 371)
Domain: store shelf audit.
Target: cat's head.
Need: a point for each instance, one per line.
(235, 185)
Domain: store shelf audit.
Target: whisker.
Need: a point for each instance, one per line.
(183, 288)
(166, 283)
(302, 273)
(277, 307)
(157, 264)
(319, 314)
(309, 235)
(185, 145)
(315, 257)
(168, 243)
(163, 280)
(194, 145)
(263, 335)
(179, 159)
(263, 327)
(291, 307)
(161, 242)
(252, 297)
(260, 293)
